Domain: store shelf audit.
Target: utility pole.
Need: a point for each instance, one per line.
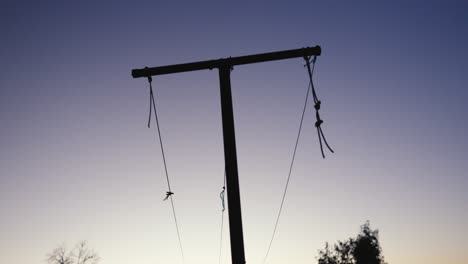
(230, 154)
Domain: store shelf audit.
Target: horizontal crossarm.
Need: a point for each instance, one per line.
(227, 62)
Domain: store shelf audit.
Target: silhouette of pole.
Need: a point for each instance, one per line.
(232, 175)
(230, 153)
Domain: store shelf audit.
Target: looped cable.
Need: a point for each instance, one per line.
(223, 192)
(221, 195)
(317, 104)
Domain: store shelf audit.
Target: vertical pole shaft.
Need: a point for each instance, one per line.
(230, 159)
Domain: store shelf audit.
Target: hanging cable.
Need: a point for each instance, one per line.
(221, 195)
(169, 193)
(320, 134)
(317, 104)
(289, 175)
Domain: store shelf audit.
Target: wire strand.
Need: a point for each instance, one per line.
(177, 228)
(289, 175)
(152, 100)
(325, 140)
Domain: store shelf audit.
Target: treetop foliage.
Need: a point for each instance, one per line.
(364, 249)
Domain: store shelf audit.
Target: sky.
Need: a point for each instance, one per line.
(77, 161)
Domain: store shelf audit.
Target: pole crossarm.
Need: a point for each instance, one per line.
(227, 62)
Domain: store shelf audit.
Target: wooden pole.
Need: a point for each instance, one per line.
(232, 175)
(230, 153)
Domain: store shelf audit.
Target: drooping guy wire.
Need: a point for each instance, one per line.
(169, 193)
(289, 175)
(320, 132)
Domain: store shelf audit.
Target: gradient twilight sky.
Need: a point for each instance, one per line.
(77, 161)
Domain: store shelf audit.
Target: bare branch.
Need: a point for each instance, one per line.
(59, 256)
(81, 254)
(85, 255)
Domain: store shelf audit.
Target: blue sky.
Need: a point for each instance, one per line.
(77, 161)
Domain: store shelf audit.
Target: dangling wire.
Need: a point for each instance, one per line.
(289, 175)
(317, 104)
(320, 133)
(221, 195)
(169, 193)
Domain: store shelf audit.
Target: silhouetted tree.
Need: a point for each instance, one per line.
(81, 254)
(59, 256)
(327, 256)
(344, 251)
(364, 249)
